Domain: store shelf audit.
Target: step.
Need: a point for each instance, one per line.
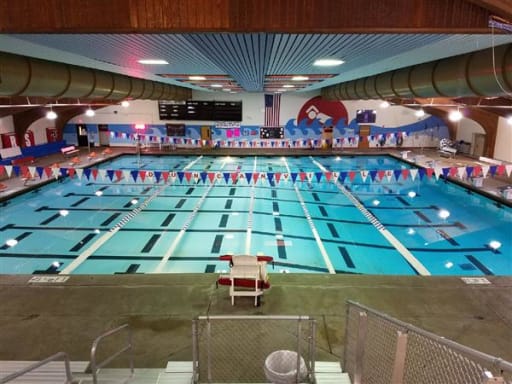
(51, 373)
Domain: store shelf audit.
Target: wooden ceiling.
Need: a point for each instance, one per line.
(287, 16)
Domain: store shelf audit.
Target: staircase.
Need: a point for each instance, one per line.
(176, 372)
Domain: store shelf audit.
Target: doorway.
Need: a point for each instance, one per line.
(81, 132)
(478, 144)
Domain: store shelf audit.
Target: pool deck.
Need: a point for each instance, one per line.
(39, 319)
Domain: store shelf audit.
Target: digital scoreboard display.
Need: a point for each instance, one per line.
(200, 110)
(271, 133)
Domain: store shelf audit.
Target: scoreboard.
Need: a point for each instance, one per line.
(200, 110)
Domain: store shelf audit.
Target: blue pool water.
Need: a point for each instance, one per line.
(388, 226)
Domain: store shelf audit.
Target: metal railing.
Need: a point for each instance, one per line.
(95, 367)
(58, 356)
(228, 349)
(380, 349)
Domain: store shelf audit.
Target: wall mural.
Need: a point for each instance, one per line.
(318, 123)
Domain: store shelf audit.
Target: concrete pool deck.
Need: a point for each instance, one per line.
(37, 320)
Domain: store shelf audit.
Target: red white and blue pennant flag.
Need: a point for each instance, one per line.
(272, 109)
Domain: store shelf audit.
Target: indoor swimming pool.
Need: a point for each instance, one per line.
(377, 222)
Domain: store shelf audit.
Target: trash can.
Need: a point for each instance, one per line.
(281, 367)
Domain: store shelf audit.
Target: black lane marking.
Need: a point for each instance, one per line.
(281, 249)
(18, 239)
(50, 219)
(223, 221)
(232, 191)
(348, 260)
(422, 216)
(447, 237)
(82, 242)
(402, 200)
(278, 224)
(333, 230)
(274, 194)
(479, 265)
(210, 268)
(189, 191)
(217, 243)
(132, 268)
(228, 204)
(315, 196)
(459, 225)
(275, 206)
(168, 220)
(144, 191)
(150, 244)
(111, 219)
(76, 204)
(180, 203)
(323, 212)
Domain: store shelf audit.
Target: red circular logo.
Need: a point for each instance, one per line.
(326, 111)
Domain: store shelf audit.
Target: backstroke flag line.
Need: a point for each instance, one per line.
(272, 108)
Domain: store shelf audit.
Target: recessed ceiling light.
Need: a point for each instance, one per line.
(197, 78)
(216, 85)
(152, 61)
(288, 86)
(328, 62)
(226, 89)
(300, 78)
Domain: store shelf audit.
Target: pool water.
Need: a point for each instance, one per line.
(388, 226)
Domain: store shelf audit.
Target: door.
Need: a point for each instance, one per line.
(104, 134)
(206, 134)
(364, 131)
(478, 144)
(81, 131)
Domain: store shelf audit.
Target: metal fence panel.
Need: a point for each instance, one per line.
(234, 349)
(371, 355)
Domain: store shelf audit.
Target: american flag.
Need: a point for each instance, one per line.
(272, 107)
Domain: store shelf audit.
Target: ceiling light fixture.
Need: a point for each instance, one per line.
(197, 78)
(125, 104)
(328, 62)
(455, 116)
(51, 115)
(509, 120)
(384, 104)
(288, 86)
(300, 78)
(90, 112)
(420, 112)
(216, 85)
(152, 61)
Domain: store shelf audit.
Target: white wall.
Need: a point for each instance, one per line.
(6, 124)
(503, 147)
(39, 128)
(465, 130)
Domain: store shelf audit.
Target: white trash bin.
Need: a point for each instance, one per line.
(281, 367)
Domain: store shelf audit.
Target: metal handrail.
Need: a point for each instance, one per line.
(57, 356)
(129, 347)
(493, 361)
